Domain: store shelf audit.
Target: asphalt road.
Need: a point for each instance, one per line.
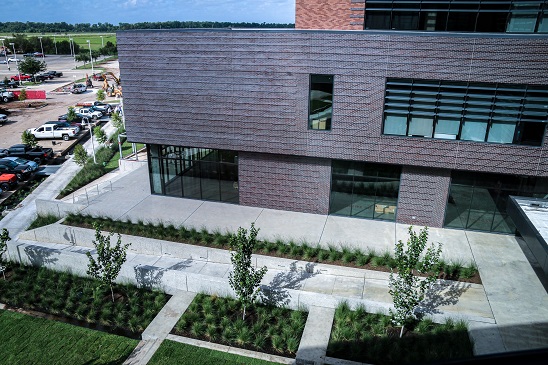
(21, 117)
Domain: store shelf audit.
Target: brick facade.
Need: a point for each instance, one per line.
(300, 184)
(247, 90)
(329, 14)
(423, 196)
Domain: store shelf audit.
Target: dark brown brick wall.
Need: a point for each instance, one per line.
(423, 196)
(329, 14)
(294, 183)
(247, 90)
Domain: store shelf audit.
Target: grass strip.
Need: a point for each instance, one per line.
(279, 248)
(31, 340)
(265, 328)
(174, 353)
(365, 337)
(76, 298)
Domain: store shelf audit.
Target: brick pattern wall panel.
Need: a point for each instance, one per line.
(247, 90)
(423, 196)
(328, 14)
(293, 183)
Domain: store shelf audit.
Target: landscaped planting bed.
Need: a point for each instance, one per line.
(265, 328)
(174, 353)
(301, 251)
(371, 338)
(29, 340)
(75, 299)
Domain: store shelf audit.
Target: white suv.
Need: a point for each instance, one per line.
(78, 88)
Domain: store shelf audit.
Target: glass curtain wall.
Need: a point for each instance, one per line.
(196, 173)
(511, 16)
(364, 190)
(478, 201)
(467, 111)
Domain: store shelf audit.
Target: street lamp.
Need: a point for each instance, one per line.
(41, 47)
(91, 137)
(73, 51)
(5, 53)
(102, 41)
(90, 58)
(55, 43)
(16, 63)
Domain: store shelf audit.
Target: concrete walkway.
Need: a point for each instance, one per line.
(511, 301)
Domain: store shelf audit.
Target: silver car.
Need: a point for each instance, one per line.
(21, 161)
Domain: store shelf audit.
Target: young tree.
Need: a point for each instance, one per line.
(80, 155)
(23, 95)
(101, 95)
(82, 57)
(71, 114)
(117, 121)
(109, 260)
(4, 238)
(32, 66)
(100, 134)
(29, 138)
(244, 278)
(406, 287)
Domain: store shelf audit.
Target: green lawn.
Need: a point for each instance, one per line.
(28, 340)
(126, 151)
(174, 353)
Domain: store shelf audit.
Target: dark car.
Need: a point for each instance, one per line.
(79, 119)
(54, 73)
(23, 172)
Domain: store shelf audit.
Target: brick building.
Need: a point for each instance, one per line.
(423, 112)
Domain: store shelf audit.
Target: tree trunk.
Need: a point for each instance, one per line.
(112, 293)
(401, 332)
(243, 315)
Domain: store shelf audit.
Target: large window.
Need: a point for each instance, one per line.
(479, 112)
(478, 201)
(320, 107)
(364, 190)
(196, 173)
(513, 16)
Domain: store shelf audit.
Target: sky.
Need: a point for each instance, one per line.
(133, 11)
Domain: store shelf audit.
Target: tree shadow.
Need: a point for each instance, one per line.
(276, 293)
(150, 277)
(440, 294)
(40, 256)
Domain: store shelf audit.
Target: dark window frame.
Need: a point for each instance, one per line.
(329, 121)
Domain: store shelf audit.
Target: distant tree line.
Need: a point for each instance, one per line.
(63, 27)
(26, 44)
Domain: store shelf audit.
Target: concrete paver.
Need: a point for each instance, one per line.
(313, 346)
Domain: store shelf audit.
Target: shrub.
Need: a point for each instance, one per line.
(23, 95)
(80, 155)
(29, 138)
(101, 95)
(100, 135)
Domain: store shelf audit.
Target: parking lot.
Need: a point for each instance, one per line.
(23, 117)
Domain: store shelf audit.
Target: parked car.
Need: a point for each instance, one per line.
(64, 124)
(78, 88)
(52, 131)
(3, 119)
(24, 77)
(37, 154)
(13, 59)
(28, 55)
(23, 172)
(79, 119)
(38, 78)
(91, 113)
(21, 161)
(55, 73)
(6, 95)
(38, 54)
(9, 83)
(8, 181)
(98, 77)
(46, 75)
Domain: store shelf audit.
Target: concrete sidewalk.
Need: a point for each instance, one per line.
(511, 301)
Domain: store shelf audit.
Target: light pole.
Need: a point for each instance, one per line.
(55, 43)
(102, 41)
(16, 63)
(92, 144)
(41, 47)
(5, 52)
(73, 51)
(91, 59)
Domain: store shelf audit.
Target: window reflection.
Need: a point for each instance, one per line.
(196, 173)
(364, 190)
